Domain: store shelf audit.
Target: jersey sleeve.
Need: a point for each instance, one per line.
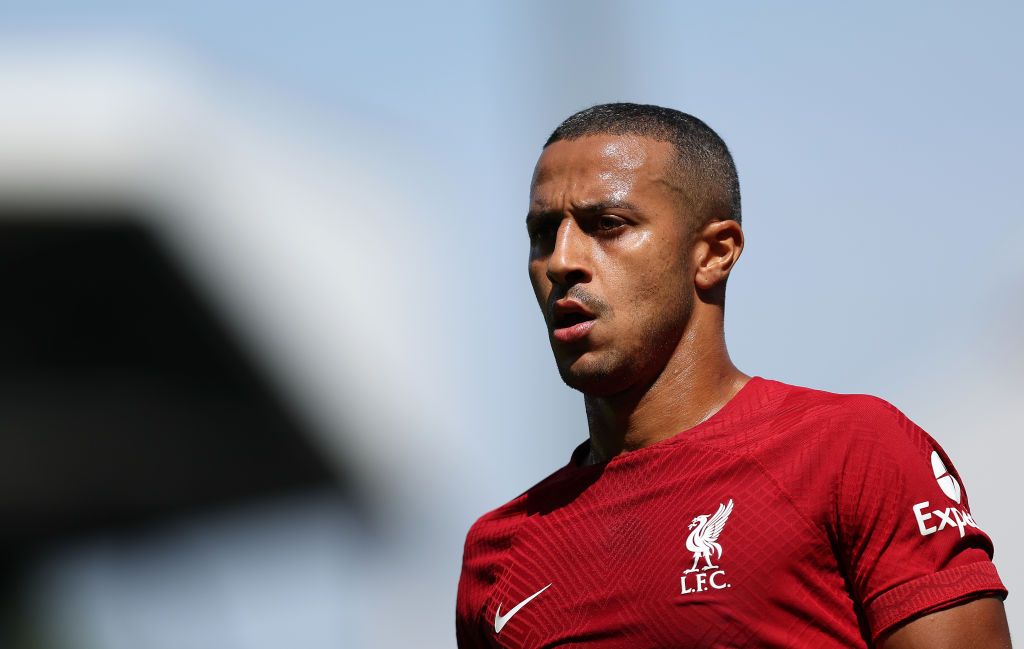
(906, 536)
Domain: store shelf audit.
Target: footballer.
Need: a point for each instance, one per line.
(708, 508)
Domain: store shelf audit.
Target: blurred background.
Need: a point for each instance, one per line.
(268, 346)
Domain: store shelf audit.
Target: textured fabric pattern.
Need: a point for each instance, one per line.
(791, 518)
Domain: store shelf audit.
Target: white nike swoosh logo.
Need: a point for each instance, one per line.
(501, 620)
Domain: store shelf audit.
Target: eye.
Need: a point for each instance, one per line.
(542, 230)
(607, 222)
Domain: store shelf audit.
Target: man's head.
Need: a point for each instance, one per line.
(634, 227)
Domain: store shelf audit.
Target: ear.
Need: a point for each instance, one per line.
(717, 248)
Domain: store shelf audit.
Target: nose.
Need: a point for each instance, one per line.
(568, 263)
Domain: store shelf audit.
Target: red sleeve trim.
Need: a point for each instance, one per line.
(932, 593)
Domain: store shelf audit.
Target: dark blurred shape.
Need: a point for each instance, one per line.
(123, 398)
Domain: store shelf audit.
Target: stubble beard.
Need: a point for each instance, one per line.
(600, 374)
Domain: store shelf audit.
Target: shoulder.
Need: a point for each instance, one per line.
(821, 447)
(826, 404)
(861, 451)
(842, 421)
(489, 541)
(495, 527)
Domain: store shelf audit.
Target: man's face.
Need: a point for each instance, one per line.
(609, 259)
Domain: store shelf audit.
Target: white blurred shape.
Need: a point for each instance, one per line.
(318, 262)
(321, 257)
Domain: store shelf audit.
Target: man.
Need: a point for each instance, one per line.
(708, 508)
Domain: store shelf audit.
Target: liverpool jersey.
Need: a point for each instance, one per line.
(791, 518)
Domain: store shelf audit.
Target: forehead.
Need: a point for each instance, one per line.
(600, 167)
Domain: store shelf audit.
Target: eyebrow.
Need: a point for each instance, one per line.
(589, 207)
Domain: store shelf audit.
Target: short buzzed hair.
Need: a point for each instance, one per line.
(707, 172)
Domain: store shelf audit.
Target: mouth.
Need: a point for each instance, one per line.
(571, 321)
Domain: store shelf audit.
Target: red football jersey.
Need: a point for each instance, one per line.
(791, 518)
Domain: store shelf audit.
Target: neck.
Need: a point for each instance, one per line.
(694, 384)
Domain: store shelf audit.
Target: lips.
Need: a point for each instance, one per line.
(570, 320)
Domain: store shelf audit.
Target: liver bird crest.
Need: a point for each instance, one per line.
(703, 540)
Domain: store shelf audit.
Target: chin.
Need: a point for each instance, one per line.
(594, 377)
